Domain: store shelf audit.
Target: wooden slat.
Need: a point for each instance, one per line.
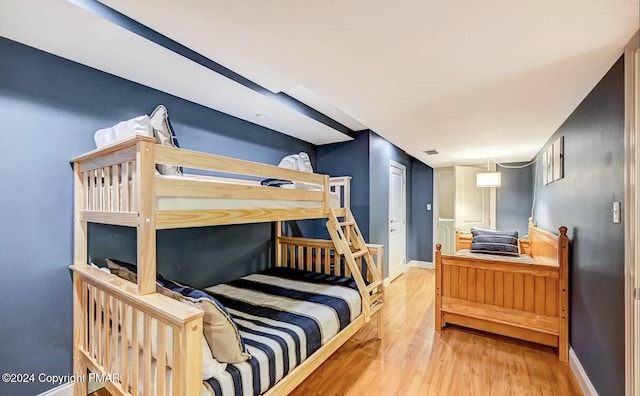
(462, 283)
(106, 327)
(146, 355)
(116, 327)
(498, 284)
(327, 262)
(115, 179)
(95, 190)
(489, 277)
(551, 296)
(92, 322)
(135, 353)
(508, 289)
(177, 357)
(471, 284)
(115, 218)
(200, 218)
(125, 199)
(308, 258)
(199, 160)
(125, 342)
(454, 282)
(161, 385)
(100, 188)
(446, 281)
(513, 317)
(300, 257)
(480, 288)
(173, 187)
(518, 291)
(192, 357)
(529, 297)
(318, 263)
(540, 299)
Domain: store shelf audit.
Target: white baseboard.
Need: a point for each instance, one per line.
(581, 376)
(386, 281)
(421, 264)
(62, 390)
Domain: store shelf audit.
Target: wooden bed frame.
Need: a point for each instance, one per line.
(117, 185)
(525, 301)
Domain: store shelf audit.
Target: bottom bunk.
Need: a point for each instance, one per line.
(288, 321)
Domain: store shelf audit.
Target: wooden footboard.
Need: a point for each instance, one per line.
(525, 301)
(115, 328)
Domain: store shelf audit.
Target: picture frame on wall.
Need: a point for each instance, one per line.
(545, 160)
(558, 159)
(553, 162)
(549, 164)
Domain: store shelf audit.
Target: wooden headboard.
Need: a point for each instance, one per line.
(541, 245)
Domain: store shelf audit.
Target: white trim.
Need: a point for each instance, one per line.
(421, 264)
(62, 390)
(632, 217)
(581, 376)
(386, 281)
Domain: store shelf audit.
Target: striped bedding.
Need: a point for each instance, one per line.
(284, 316)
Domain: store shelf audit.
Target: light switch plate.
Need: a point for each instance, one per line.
(428, 206)
(616, 212)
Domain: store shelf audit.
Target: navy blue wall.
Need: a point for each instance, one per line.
(582, 200)
(50, 108)
(514, 198)
(380, 152)
(349, 159)
(420, 238)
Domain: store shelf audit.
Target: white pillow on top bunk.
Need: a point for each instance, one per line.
(136, 126)
(165, 136)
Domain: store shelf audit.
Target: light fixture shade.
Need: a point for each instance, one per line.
(488, 179)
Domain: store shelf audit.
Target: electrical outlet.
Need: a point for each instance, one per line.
(616, 212)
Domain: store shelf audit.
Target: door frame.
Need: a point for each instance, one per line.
(632, 219)
(403, 200)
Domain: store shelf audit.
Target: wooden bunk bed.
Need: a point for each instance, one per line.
(118, 185)
(525, 299)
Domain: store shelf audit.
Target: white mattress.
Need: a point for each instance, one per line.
(186, 203)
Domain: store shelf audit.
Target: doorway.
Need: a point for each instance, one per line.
(397, 219)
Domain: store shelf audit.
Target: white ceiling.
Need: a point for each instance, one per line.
(472, 79)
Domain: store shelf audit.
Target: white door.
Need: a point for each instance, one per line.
(397, 219)
(472, 204)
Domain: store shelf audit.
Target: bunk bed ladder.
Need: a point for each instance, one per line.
(349, 242)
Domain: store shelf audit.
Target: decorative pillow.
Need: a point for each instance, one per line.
(165, 136)
(210, 366)
(495, 242)
(220, 330)
(136, 126)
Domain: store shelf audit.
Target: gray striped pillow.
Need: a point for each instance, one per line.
(495, 242)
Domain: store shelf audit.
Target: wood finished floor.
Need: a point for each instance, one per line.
(414, 360)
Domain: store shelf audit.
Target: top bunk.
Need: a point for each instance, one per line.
(118, 184)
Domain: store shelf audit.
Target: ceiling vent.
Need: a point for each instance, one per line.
(431, 152)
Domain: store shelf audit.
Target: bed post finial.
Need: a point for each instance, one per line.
(438, 247)
(563, 231)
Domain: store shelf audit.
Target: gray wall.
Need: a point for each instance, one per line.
(514, 198)
(50, 108)
(582, 200)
